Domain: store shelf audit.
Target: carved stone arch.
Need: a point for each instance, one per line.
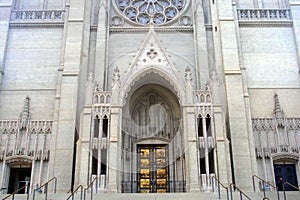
(208, 98)
(108, 99)
(199, 115)
(282, 156)
(19, 160)
(97, 115)
(256, 127)
(150, 75)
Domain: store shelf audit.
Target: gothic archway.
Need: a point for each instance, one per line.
(152, 133)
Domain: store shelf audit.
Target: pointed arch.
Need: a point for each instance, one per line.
(158, 76)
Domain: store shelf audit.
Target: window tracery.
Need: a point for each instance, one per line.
(144, 12)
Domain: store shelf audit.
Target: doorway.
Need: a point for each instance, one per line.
(19, 177)
(285, 173)
(152, 168)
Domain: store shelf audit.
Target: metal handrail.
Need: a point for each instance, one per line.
(287, 183)
(46, 188)
(91, 184)
(15, 192)
(267, 183)
(72, 194)
(219, 183)
(241, 192)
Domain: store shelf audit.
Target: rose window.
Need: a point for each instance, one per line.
(150, 11)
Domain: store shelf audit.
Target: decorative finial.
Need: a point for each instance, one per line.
(116, 76)
(25, 115)
(188, 74)
(278, 112)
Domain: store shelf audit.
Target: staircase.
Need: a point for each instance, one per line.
(165, 196)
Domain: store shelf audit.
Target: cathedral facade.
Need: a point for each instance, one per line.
(149, 96)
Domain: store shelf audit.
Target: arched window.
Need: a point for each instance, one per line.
(104, 127)
(208, 125)
(200, 126)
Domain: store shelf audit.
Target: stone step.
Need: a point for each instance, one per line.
(166, 196)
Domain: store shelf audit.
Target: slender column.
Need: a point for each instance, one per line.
(42, 160)
(32, 177)
(205, 151)
(100, 134)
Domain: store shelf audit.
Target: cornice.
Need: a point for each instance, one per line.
(36, 24)
(188, 29)
(258, 23)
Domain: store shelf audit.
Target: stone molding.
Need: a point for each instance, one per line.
(37, 18)
(146, 29)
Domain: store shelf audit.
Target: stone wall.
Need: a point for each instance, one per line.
(30, 69)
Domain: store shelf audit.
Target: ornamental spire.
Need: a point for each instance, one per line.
(25, 114)
(278, 112)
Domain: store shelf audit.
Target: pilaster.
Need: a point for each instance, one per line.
(223, 154)
(241, 146)
(5, 10)
(114, 150)
(192, 172)
(190, 142)
(61, 160)
(295, 12)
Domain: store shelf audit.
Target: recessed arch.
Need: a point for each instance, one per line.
(151, 75)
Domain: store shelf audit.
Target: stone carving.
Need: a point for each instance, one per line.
(25, 137)
(264, 14)
(37, 15)
(188, 74)
(117, 21)
(116, 76)
(145, 12)
(152, 54)
(203, 97)
(185, 21)
(278, 135)
(25, 115)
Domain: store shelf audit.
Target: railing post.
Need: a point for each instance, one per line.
(92, 192)
(230, 191)
(219, 190)
(55, 184)
(227, 195)
(46, 191)
(263, 184)
(213, 184)
(253, 181)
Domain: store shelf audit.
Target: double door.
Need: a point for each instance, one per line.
(285, 173)
(152, 169)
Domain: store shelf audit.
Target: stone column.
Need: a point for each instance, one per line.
(192, 167)
(62, 145)
(114, 150)
(5, 10)
(189, 131)
(226, 30)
